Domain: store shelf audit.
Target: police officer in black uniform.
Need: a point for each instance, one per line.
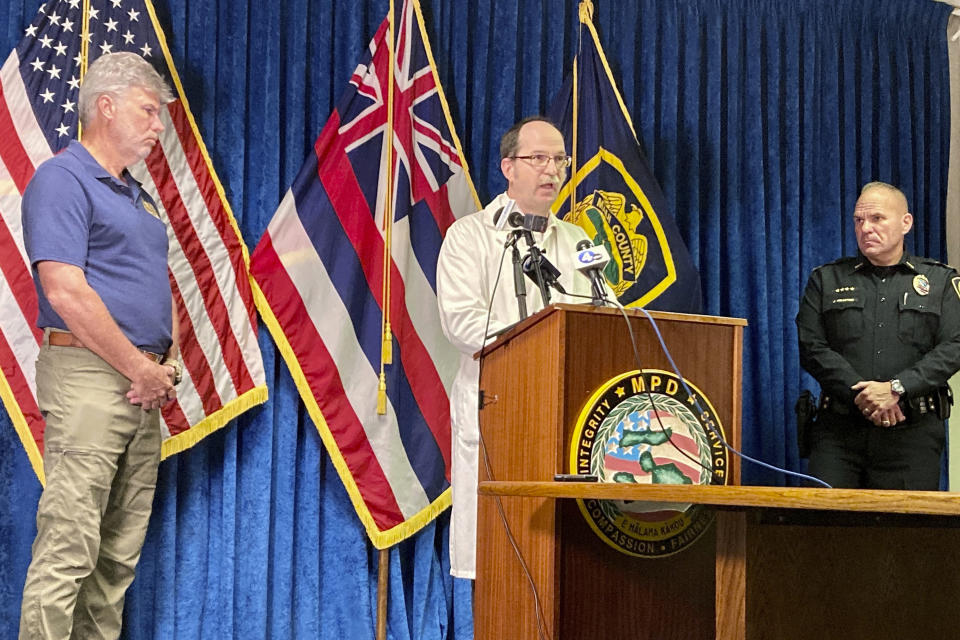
(880, 332)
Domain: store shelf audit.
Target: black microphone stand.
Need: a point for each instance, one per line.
(519, 286)
(535, 256)
(599, 292)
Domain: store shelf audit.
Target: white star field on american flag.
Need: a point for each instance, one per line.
(39, 86)
(51, 56)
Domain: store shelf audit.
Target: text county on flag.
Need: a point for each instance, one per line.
(617, 199)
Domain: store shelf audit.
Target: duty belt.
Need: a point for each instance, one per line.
(936, 401)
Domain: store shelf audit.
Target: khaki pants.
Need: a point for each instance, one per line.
(100, 459)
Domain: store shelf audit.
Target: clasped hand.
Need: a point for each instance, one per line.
(153, 386)
(877, 402)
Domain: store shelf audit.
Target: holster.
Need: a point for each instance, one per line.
(936, 401)
(806, 410)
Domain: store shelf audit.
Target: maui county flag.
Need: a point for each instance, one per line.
(617, 199)
(223, 369)
(326, 294)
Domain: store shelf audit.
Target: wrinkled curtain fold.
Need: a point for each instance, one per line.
(760, 120)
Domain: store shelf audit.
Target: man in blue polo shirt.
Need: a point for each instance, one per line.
(109, 356)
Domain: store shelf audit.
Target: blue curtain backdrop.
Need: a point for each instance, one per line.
(761, 120)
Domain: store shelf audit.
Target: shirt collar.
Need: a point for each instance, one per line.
(95, 169)
(907, 261)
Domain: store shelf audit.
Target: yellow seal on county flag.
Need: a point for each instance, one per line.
(647, 428)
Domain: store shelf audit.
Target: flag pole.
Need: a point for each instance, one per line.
(386, 334)
(386, 350)
(84, 51)
(383, 578)
(386, 343)
(585, 12)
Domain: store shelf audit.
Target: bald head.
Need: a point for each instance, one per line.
(534, 163)
(894, 194)
(881, 220)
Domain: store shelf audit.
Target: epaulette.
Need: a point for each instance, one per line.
(933, 263)
(846, 260)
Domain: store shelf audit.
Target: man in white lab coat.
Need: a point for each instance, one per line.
(474, 277)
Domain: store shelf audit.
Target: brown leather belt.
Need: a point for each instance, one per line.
(67, 339)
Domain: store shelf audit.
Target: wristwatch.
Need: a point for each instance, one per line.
(897, 387)
(177, 369)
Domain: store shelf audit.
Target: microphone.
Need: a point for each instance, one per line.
(528, 221)
(503, 214)
(590, 260)
(524, 224)
(549, 273)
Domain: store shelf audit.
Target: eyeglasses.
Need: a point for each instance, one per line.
(540, 160)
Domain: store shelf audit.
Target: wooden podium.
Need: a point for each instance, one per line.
(791, 564)
(779, 564)
(536, 379)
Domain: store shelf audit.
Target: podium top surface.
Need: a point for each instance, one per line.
(741, 497)
(513, 330)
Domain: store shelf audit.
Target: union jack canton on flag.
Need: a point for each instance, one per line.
(324, 289)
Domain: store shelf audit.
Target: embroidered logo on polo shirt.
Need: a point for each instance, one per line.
(152, 210)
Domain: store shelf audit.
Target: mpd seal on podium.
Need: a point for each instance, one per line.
(648, 427)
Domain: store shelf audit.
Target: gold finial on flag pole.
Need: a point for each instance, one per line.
(586, 11)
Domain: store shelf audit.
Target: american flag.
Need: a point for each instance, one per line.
(223, 368)
(320, 268)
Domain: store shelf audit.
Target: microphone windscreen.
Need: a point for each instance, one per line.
(533, 222)
(527, 221)
(502, 215)
(592, 257)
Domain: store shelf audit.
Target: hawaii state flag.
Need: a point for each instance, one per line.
(223, 368)
(617, 199)
(356, 328)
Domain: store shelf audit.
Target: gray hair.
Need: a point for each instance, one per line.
(889, 188)
(112, 74)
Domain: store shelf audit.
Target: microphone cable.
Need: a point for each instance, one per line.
(683, 381)
(656, 414)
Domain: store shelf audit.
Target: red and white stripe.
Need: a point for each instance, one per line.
(223, 367)
(22, 147)
(218, 341)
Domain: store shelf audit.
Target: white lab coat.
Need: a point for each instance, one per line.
(466, 275)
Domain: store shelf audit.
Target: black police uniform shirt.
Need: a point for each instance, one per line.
(861, 322)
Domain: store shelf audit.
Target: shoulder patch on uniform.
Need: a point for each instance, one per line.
(955, 281)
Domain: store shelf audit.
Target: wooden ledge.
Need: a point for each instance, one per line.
(856, 500)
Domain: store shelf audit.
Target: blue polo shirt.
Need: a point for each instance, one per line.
(76, 213)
